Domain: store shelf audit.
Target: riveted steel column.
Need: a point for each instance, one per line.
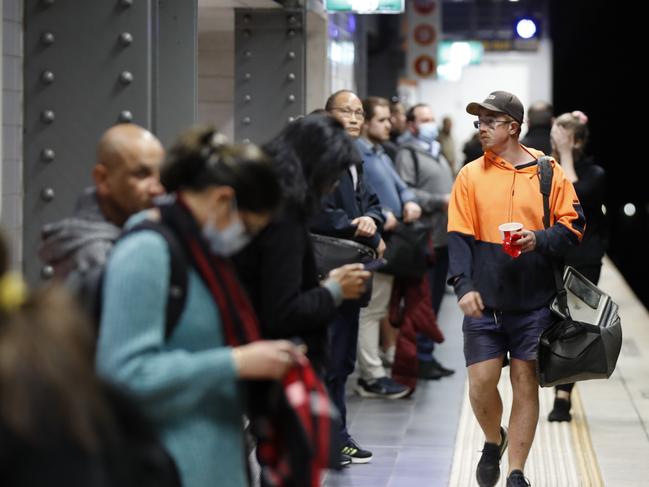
(270, 81)
(87, 66)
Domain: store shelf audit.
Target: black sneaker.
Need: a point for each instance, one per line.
(355, 452)
(517, 479)
(426, 370)
(384, 387)
(445, 372)
(488, 471)
(345, 460)
(560, 410)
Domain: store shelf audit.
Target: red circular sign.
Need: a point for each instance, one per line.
(425, 34)
(425, 6)
(425, 66)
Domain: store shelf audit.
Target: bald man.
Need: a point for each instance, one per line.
(127, 178)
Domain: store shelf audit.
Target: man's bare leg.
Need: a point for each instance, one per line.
(525, 411)
(485, 399)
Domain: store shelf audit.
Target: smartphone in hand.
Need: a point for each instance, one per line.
(375, 265)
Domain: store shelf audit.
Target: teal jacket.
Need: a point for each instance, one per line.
(186, 384)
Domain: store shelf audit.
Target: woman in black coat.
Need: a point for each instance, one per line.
(278, 267)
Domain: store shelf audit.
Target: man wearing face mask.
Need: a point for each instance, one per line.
(422, 166)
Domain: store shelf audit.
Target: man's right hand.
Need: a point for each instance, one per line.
(365, 226)
(471, 304)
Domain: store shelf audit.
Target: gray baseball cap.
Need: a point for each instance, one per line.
(499, 101)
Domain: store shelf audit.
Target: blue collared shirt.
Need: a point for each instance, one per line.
(383, 178)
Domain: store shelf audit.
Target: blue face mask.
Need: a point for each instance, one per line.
(428, 132)
(228, 241)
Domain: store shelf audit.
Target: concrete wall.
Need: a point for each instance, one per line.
(11, 180)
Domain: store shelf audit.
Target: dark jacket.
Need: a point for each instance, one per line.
(345, 204)
(590, 191)
(539, 138)
(278, 271)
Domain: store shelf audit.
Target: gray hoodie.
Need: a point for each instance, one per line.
(81, 242)
(431, 180)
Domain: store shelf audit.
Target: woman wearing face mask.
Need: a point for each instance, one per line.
(278, 268)
(569, 136)
(187, 381)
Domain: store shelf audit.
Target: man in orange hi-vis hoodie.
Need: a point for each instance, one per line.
(505, 296)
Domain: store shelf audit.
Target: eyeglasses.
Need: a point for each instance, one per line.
(348, 112)
(489, 123)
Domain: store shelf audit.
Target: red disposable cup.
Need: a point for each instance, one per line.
(507, 231)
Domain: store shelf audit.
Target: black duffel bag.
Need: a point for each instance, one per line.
(571, 351)
(585, 342)
(407, 250)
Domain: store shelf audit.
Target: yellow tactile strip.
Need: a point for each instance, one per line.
(562, 454)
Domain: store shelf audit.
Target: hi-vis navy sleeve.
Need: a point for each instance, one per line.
(461, 237)
(568, 220)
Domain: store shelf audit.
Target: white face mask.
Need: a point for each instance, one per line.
(230, 240)
(428, 131)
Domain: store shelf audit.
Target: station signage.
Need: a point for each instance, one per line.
(365, 6)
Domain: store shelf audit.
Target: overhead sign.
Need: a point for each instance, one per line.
(365, 6)
(424, 27)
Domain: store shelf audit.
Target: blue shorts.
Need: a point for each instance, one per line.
(499, 332)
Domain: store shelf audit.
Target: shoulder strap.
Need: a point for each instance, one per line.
(415, 162)
(546, 173)
(178, 276)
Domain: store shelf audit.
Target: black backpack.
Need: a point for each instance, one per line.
(87, 286)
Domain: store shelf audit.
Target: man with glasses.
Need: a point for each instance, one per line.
(505, 299)
(351, 211)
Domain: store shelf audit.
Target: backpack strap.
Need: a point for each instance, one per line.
(415, 161)
(546, 174)
(178, 275)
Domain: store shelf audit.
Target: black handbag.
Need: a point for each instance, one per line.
(407, 250)
(332, 252)
(587, 345)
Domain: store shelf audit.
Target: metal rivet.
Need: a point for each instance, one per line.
(47, 38)
(126, 78)
(292, 19)
(247, 98)
(246, 120)
(47, 77)
(291, 98)
(247, 53)
(47, 272)
(246, 32)
(126, 38)
(291, 32)
(48, 155)
(291, 119)
(47, 194)
(247, 19)
(47, 116)
(291, 54)
(247, 76)
(125, 116)
(291, 77)
(126, 3)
